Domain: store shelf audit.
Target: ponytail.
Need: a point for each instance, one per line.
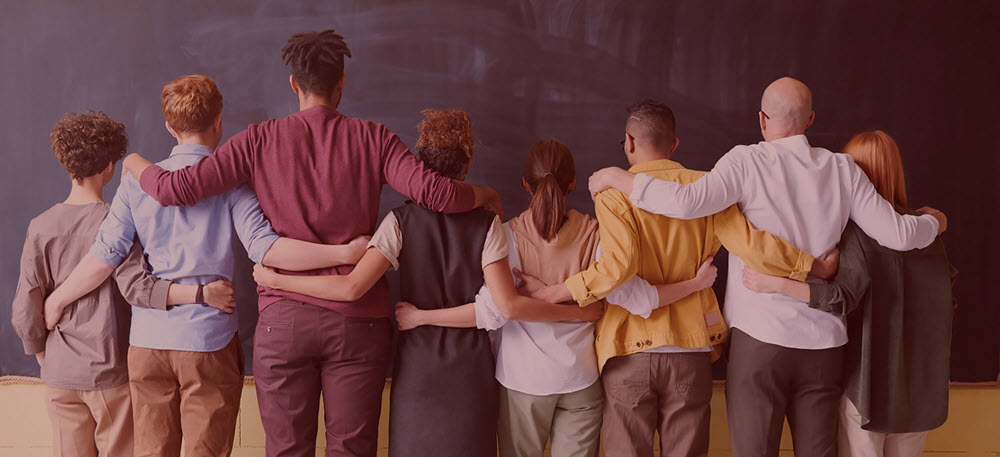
(549, 173)
(548, 205)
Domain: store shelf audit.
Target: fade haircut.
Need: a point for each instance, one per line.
(86, 143)
(191, 103)
(652, 121)
(316, 60)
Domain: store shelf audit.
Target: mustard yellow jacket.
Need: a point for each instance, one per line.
(662, 250)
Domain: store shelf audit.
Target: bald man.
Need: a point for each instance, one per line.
(785, 357)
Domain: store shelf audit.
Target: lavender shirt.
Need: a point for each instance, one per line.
(187, 245)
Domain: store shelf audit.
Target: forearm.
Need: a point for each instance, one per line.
(459, 317)
(179, 294)
(527, 309)
(795, 289)
(295, 255)
(87, 276)
(556, 293)
(329, 287)
(672, 293)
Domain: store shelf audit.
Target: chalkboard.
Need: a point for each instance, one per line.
(525, 70)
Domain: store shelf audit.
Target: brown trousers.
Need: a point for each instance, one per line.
(648, 392)
(194, 395)
(766, 382)
(302, 351)
(89, 423)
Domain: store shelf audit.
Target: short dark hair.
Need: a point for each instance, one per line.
(86, 143)
(316, 60)
(652, 121)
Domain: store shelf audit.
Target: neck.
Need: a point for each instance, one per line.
(86, 191)
(200, 138)
(307, 101)
(649, 156)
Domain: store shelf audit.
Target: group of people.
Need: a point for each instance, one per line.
(551, 327)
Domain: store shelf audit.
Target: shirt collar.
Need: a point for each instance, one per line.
(196, 149)
(792, 141)
(653, 165)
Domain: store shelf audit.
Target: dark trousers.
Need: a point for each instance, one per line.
(648, 392)
(766, 382)
(302, 351)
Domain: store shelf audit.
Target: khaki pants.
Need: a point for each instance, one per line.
(855, 441)
(191, 394)
(573, 420)
(90, 423)
(647, 392)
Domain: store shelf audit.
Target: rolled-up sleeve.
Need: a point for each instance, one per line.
(252, 226)
(619, 262)
(117, 233)
(637, 296)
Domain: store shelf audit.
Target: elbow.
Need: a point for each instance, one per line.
(354, 292)
(508, 309)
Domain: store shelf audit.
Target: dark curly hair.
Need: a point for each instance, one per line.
(445, 142)
(85, 143)
(316, 60)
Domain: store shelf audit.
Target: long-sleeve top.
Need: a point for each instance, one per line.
(900, 308)
(319, 176)
(187, 245)
(87, 349)
(663, 250)
(801, 193)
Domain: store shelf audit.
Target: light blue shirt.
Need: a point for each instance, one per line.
(186, 245)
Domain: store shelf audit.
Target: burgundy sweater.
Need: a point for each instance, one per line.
(319, 176)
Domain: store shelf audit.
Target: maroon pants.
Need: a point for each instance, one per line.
(302, 351)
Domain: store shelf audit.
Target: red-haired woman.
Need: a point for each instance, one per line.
(899, 309)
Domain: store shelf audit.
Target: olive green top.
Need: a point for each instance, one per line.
(899, 308)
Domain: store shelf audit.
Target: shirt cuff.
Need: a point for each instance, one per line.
(639, 184)
(35, 346)
(158, 296)
(579, 291)
(261, 246)
(106, 254)
(802, 266)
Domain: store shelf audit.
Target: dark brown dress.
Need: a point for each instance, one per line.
(444, 391)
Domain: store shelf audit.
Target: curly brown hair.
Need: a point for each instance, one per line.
(445, 142)
(86, 143)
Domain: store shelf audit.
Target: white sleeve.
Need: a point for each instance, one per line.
(488, 315)
(879, 220)
(715, 191)
(388, 239)
(636, 296)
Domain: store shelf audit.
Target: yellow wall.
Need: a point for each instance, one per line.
(972, 430)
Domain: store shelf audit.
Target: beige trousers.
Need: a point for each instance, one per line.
(572, 420)
(855, 441)
(90, 423)
(194, 395)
